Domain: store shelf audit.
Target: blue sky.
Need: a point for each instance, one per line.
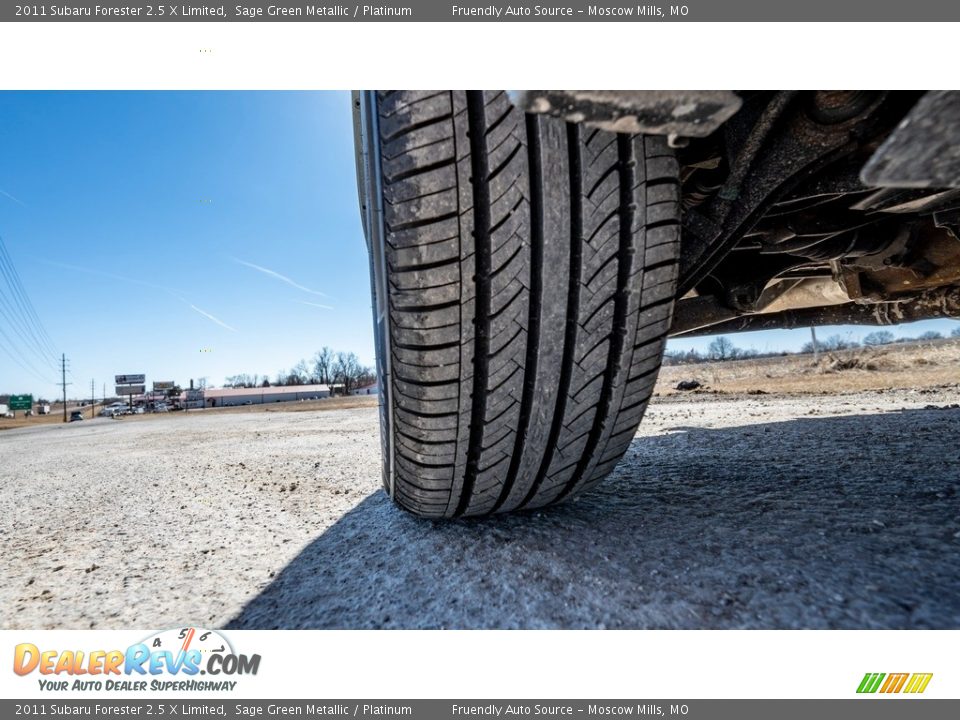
(188, 235)
(129, 217)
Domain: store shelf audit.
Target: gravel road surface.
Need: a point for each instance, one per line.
(727, 512)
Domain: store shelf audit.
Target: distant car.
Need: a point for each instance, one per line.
(161, 407)
(76, 415)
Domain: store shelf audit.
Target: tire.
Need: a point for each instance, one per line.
(530, 269)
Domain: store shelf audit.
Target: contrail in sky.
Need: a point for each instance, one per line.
(325, 307)
(278, 276)
(111, 276)
(207, 315)
(8, 195)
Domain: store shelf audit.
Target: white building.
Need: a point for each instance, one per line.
(226, 397)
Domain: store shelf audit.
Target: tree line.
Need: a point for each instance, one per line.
(722, 348)
(326, 367)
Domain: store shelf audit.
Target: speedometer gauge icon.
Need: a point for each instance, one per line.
(182, 640)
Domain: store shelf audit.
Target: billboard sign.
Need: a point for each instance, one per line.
(163, 385)
(21, 402)
(130, 389)
(130, 379)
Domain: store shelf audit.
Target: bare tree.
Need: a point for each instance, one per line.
(327, 367)
(832, 344)
(367, 376)
(347, 370)
(323, 365)
(301, 372)
(878, 337)
(240, 381)
(721, 348)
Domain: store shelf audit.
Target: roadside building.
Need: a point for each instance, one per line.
(369, 389)
(191, 398)
(227, 397)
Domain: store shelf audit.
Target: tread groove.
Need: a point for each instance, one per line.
(414, 224)
(575, 159)
(626, 209)
(534, 155)
(481, 233)
(412, 172)
(413, 127)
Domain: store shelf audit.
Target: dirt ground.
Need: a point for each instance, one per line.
(729, 511)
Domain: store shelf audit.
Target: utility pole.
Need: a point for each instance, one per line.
(93, 402)
(64, 383)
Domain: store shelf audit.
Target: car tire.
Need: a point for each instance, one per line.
(524, 272)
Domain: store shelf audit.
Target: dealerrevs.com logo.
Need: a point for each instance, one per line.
(911, 683)
(169, 660)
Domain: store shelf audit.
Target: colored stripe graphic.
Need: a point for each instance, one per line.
(894, 682)
(918, 682)
(870, 682)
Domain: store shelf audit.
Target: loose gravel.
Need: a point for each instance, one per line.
(727, 512)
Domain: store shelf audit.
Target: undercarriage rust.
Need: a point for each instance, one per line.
(781, 228)
(940, 303)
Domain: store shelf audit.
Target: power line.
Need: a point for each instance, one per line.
(45, 336)
(29, 366)
(22, 319)
(16, 324)
(22, 309)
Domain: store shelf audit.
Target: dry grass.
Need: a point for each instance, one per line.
(55, 416)
(909, 365)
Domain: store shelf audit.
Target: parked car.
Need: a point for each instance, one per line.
(114, 409)
(531, 252)
(76, 415)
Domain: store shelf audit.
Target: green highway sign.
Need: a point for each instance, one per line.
(21, 402)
